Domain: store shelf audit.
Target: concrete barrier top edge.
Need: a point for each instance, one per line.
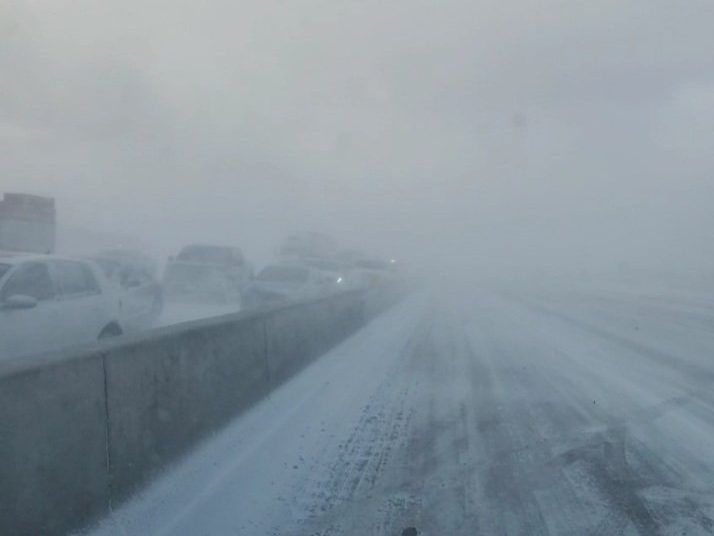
(25, 364)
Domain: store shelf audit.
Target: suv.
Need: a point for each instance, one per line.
(48, 302)
(213, 272)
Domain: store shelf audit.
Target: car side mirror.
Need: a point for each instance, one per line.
(19, 301)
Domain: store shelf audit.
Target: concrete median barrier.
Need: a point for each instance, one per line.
(299, 333)
(53, 447)
(166, 391)
(83, 429)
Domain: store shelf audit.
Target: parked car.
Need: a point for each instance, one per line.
(281, 283)
(216, 273)
(134, 276)
(49, 302)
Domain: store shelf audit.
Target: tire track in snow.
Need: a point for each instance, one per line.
(355, 474)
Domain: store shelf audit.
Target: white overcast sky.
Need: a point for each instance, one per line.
(531, 131)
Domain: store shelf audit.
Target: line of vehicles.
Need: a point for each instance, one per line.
(307, 265)
(49, 301)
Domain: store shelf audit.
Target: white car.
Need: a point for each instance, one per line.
(282, 283)
(49, 302)
(207, 272)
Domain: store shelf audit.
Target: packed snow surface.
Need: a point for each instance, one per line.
(515, 412)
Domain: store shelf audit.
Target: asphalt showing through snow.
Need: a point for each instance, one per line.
(514, 413)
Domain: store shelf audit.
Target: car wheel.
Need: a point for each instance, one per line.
(112, 330)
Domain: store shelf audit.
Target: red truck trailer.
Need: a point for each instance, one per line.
(27, 223)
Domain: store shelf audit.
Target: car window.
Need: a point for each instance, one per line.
(31, 279)
(76, 278)
(178, 272)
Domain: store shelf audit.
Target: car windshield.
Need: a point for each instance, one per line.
(207, 254)
(179, 272)
(283, 274)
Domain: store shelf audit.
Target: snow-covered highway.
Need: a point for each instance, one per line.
(486, 413)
